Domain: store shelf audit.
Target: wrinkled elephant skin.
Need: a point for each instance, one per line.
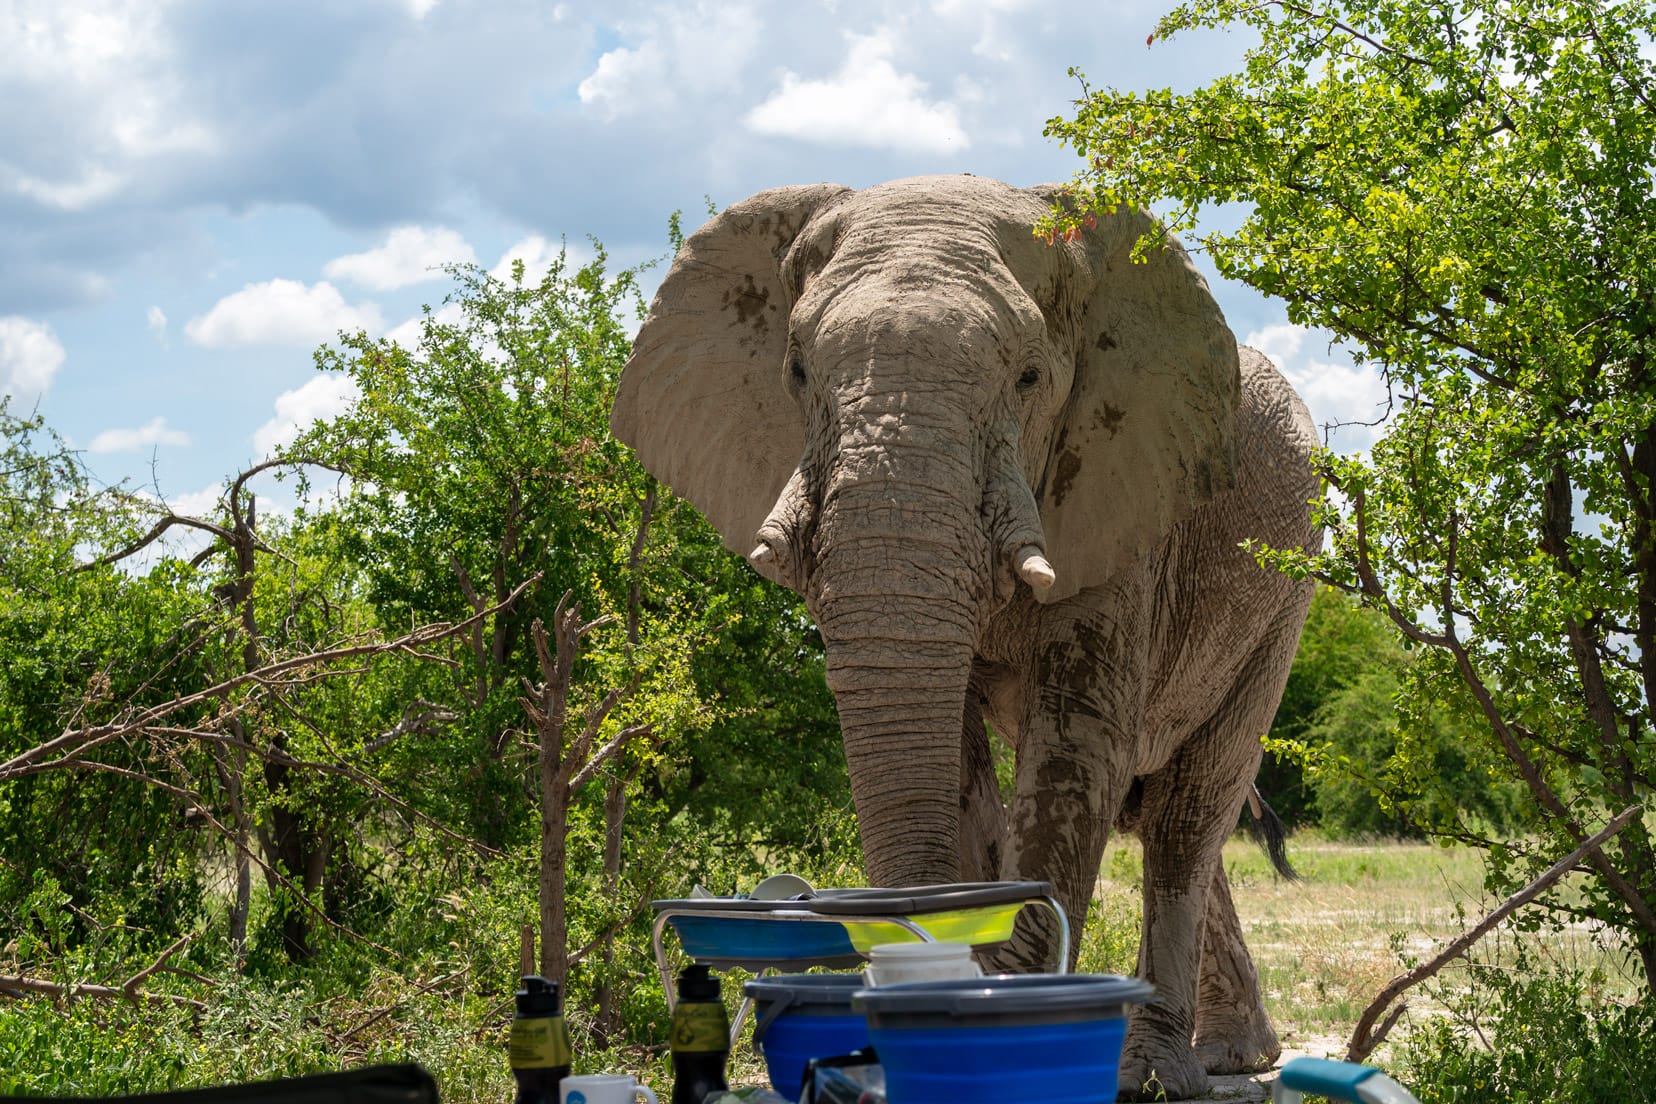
(1010, 479)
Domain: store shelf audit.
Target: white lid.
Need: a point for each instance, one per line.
(919, 952)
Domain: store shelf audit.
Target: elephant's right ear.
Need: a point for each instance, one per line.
(701, 399)
(1148, 432)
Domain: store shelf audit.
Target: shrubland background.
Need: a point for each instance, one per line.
(302, 745)
(279, 791)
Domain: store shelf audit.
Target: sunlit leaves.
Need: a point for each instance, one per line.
(1464, 191)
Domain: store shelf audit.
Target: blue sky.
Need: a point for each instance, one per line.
(195, 193)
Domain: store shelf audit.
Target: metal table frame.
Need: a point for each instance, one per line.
(804, 915)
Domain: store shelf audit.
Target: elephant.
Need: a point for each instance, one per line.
(1011, 478)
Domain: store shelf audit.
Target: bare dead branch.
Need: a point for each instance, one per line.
(420, 717)
(1365, 1037)
(394, 1005)
(278, 878)
(169, 520)
(11, 984)
(129, 990)
(605, 753)
(575, 957)
(130, 986)
(276, 755)
(269, 675)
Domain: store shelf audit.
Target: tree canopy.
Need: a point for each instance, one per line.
(1462, 189)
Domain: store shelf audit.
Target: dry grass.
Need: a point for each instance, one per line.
(1364, 912)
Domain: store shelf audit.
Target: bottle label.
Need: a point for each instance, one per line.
(699, 1026)
(539, 1042)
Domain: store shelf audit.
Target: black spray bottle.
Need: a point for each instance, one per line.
(539, 1044)
(701, 1037)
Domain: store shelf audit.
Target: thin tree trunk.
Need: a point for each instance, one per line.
(554, 927)
(615, 812)
(231, 764)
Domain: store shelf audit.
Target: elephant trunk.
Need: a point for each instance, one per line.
(897, 594)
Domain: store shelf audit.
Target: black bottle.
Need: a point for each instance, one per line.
(701, 1037)
(539, 1046)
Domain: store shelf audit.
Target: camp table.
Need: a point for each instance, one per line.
(834, 928)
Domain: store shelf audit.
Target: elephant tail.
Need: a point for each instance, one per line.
(1270, 833)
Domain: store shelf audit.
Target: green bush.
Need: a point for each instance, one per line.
(1525, 1038)
(1360, 746)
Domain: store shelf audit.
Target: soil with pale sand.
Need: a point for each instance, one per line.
(1257, 1086)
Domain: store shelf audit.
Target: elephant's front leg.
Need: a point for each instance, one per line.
(1082, 710)
(1182, 831)
(1187, 810)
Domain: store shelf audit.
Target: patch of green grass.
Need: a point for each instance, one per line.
(1363, 912)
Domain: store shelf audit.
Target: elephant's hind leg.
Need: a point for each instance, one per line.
(1232, 1032)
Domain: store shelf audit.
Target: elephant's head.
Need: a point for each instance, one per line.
(903, 405)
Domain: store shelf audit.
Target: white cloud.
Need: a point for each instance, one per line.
(198, 504)
(321, 397)
(30, 355)
(281, 312)
(693, 51)
(538, 254)
(867, 103)
(157, 319)
(993, 41)
(95, 185)
(108, 67)
(1338, 393)
(409, 333)
(410, 255)
(419, 9)
(154, 432)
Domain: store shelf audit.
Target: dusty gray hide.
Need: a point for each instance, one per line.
(1010, 479)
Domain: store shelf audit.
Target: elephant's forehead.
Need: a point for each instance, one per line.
(953, 234)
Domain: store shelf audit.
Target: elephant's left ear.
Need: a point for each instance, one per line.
(1147, 435)
(701, 398)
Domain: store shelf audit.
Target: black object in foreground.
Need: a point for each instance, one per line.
(539, 1047)
(398, 1084)
(700, 1037)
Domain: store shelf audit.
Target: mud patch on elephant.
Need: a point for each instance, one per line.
(1066, 467)
(750, 302)
(1069, 679)
(1109, 419)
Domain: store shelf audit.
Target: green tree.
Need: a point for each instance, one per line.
(77, 644)
(1344, 755)
(477, 460)
(1463, 190)
(481, 463)
(1341, 642)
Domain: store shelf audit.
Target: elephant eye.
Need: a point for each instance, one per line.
(1030, 377)
(796, 367)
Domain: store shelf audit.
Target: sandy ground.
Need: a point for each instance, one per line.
(1257, 1086)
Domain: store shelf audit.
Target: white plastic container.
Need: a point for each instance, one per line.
(897, 963)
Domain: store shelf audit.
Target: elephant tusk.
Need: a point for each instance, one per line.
(763, 554)
(1033, 568)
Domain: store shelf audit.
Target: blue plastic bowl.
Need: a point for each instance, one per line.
(803, 1016)
(990, 1040)
(760, 942)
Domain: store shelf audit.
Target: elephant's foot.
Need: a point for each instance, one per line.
(1237, 1047)
(1160, 1071)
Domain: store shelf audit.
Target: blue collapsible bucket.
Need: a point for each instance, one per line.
(1046, 1037)
(803, 1016)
